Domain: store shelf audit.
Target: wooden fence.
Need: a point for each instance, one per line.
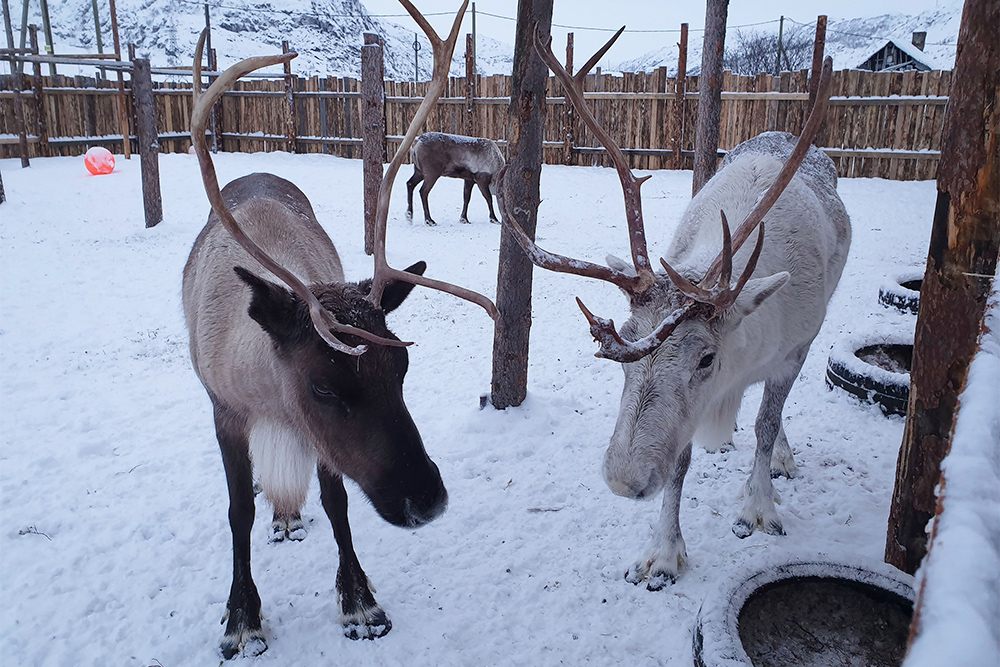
(878, 124)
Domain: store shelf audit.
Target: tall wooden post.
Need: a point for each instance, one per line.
(961, 262)
(47, 27)
(819, 45)
(147, 140)
(470, 84)
(3, 195)
(525, 129)
(123, 123)
(18, 102)
(292, 145)
(41, 114)
(372, 130)
(680, 87)
(706, 140)
(569, 118)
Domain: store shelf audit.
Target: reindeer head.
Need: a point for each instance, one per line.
(672, 344)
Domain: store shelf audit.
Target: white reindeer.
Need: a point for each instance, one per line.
(694, 342)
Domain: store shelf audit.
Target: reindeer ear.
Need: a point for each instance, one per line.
(754, 293)
(274, 308)
(396, 291)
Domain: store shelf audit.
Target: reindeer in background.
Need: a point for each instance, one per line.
(436, 154)
(694, 341)
(301, 369)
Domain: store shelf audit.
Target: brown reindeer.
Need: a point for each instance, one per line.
(436, 154)
(300, 366)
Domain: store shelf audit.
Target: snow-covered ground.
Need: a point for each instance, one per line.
(114, 542)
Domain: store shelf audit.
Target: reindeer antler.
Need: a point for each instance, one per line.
(322, 319)
(700, 299)
(443, 50)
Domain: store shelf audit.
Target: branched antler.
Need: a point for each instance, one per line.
(443, 50)
(322, 319)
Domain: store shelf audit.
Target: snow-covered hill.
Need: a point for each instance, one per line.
(849, 41)
(326, 33)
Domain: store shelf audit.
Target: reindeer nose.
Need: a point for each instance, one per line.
(635, 486)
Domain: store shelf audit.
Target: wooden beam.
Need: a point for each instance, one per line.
(289, 103)
(569, 118)
(961, 262)
(372, 130)
(706, 142)
(526, 128)
(147, 142)
(680, 87)
(19, 124)
(41, 112)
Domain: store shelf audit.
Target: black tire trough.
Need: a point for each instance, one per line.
(875, 369)
(807, 613)
(902, 291)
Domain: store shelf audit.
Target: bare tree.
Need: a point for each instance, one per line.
(754, 52)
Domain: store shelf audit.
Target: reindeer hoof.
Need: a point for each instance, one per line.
(743, 529)
(430, 223)
(371, 624)
(464, 221)
(250, 643)
(494, 221)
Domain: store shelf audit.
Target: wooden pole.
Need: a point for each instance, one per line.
(680, 87)
(41, 114)
(568, 112)
(961, 262)
(213, 120)
(47, 26)
(97, 34)
(146, 138)
(372, 130)
(18, 102)
(123, 100)
(706, 141)
(525, 129)
(3, 195)
(777, 56)
(470, 84)
(348, 105)
(292, 142)
(24, 32)
(819, 45)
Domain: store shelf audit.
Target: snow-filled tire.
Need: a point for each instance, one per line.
(902, 291)
(716, 638)
(872, 384)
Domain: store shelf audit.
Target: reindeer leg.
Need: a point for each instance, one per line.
(466, 196)
(759, 493)
(425, 190)
(410, 184)
(243, 631)
(667, 552)
(361, 615)
(484, 186)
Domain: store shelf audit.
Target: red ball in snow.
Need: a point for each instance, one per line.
(99, 161)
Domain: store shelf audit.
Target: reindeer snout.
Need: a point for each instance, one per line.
(631, 479)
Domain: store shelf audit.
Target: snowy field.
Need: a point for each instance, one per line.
(114, 540)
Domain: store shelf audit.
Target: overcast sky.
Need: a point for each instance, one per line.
(648, 15)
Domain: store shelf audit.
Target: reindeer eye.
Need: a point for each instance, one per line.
(706, 361)
(322, 393)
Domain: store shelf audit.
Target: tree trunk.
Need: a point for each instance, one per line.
(147, 140)
(961, 262)
(372, 131)
(525, 129)
(706, 140)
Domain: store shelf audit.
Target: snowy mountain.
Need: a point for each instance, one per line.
(326, 33)
(849, 41)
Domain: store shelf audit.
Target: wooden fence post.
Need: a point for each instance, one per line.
(3, 195)
(525, 129)
(568, 112)
(372, 130)
(146, 137)
(470, 85)
(706, 141)
(122, 98)
(41, 113)
(292, 145)
(961, 262)
(348, 105)
(680, 87)
(18, 102)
